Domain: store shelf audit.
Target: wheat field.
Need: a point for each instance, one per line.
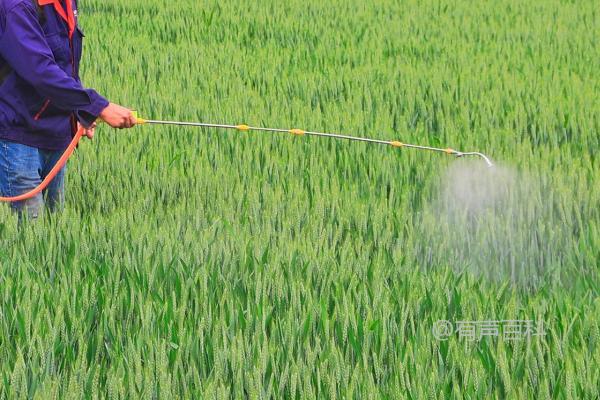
(199, 264)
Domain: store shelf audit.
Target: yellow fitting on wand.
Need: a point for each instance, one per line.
(397, 144)
(242, 128)
(138, 120)
(450, 151)
(298, 132)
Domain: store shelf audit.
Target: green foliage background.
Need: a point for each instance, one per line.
(216, 264)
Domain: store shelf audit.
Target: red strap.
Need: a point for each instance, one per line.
(68, 16)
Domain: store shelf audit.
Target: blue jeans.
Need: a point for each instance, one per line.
(22, 168)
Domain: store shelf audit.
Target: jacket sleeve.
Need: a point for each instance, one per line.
(23, 46)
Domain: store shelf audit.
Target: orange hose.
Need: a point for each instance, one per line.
(53, 172)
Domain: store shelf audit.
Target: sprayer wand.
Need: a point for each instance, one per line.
(300, 132)
(141, 121)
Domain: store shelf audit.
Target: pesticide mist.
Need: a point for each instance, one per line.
(494, 222)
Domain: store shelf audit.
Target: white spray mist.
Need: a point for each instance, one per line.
(495, 222)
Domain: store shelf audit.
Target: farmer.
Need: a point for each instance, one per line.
(42, 100)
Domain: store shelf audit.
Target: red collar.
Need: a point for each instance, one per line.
(68, 16)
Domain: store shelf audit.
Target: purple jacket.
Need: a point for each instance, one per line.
(42, 97)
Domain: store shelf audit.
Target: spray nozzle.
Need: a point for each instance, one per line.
(474, 153)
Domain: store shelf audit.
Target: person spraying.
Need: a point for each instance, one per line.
(42, 100)
(45, 110)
